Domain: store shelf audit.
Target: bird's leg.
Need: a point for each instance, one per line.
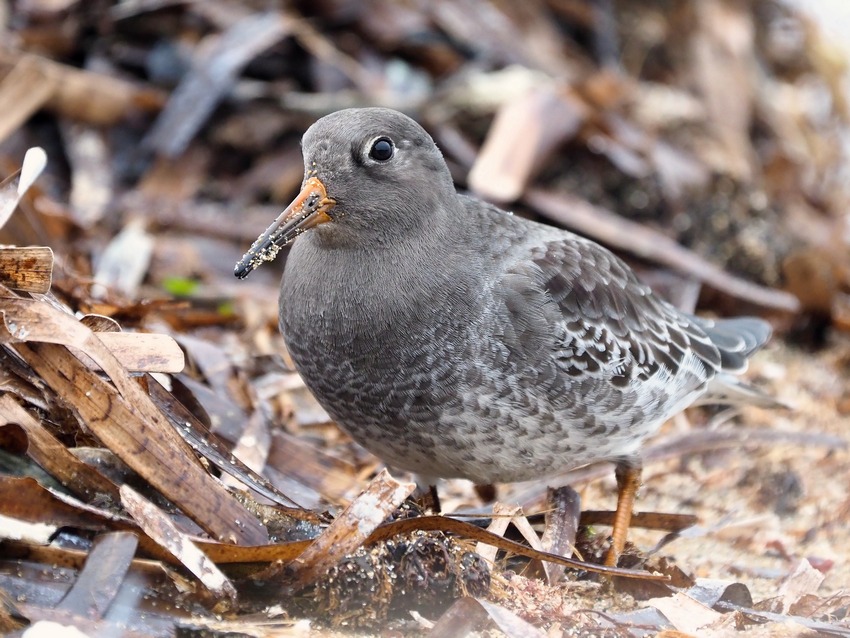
(433, 499)
(628, 481)
(486, 493)
(426, 494)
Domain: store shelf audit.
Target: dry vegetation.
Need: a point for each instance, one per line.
(704, 141)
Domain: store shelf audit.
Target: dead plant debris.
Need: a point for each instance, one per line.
(164, 472)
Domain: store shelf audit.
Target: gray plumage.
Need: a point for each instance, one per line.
(456, 340)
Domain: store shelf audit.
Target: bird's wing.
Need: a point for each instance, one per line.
(575, 296)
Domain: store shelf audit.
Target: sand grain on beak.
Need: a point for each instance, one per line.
(309, 209)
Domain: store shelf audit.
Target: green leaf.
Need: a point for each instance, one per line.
(180, 286)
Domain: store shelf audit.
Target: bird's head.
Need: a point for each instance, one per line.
(371, 176)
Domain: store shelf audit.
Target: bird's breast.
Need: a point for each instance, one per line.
(371, 343)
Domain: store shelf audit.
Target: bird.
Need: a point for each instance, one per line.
(454, 339)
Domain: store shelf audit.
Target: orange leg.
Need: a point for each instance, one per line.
(628, 482)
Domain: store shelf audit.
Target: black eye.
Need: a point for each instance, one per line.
(382, 149)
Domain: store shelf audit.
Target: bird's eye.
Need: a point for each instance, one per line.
(382, 149)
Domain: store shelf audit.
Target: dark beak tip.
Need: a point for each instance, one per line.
(242, 270)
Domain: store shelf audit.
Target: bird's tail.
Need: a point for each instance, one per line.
(737, 340)
(729, 389)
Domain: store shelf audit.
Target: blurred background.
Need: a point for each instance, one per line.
(720, 125)
(705, 142)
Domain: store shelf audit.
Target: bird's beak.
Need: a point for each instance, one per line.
(310, 208)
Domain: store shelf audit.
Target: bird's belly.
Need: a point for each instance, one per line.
(485, 447)
(442, 417)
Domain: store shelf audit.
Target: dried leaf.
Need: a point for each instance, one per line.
(562, 520)
(102, 575)
(159, 527)
(211, 447)
(79, 95)
(685, 613)
(145, 445)
(144, 352)
(92, 187)
(220, 58)
(23, 91)
(25, 500)
(33, 165)
(724, 69)
(509, 623)
(350, 529)
(640, 240)
(26, 269)
(50, 454)
(524, 134)
(125, 261)
(502, 516)
(804, 580)
(128, 423)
